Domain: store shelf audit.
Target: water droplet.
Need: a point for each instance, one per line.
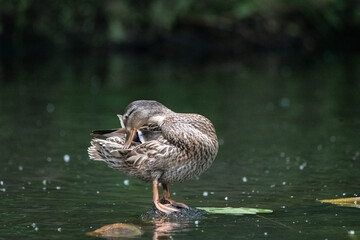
(58, 187)
(351, 232)
(33, 225)
(21, 168)
(66, 158)
(302, 166)
(49, 159)
(285, 102)
(97, 192)
(244, 179)
(265, 233)
(50, 107)
(332, 139)
(2, 183)
(205, 194)
(3, 189)
(59, 229)
(226, 198)
(282, 154)
(197, 222)
(44, 182)
(126, 182)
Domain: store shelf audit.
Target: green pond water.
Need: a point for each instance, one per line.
(289, 133)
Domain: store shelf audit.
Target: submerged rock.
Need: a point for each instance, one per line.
(183, 214)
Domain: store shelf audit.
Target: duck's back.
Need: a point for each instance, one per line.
(195, 139)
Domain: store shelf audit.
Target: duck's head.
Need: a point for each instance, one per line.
(140, 113)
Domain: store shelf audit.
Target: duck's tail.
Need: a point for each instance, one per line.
(101, 149)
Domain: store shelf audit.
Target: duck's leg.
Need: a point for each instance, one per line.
(161, 207)
(166, 195)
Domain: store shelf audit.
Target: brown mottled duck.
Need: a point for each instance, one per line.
(157, 145)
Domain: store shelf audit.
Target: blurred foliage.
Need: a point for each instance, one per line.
(96, 23)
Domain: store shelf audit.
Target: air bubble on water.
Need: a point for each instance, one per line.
(344, 194)
(126, 182)
(284, 183)
(351, 232)
(2, 183)
(205, 194)
(226, 198)
(58, 187)
(197, 222)
(44, 182)
(174, 193)
(97, 192)
(66, 158)
(302, 166)
(244, 179)
(21, 168)
(59, 229)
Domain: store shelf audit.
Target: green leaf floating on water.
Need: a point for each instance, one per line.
(234, 211)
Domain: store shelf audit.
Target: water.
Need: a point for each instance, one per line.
(289, 134)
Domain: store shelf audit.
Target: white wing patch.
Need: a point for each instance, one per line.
(121, 121)
(141, 136)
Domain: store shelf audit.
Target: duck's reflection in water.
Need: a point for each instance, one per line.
(168, 225)
(163, 229)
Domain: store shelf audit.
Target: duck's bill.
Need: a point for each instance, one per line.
(129, 138)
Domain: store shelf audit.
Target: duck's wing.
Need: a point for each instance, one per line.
(145, 161)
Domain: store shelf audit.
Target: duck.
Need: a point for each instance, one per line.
(158, 145)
